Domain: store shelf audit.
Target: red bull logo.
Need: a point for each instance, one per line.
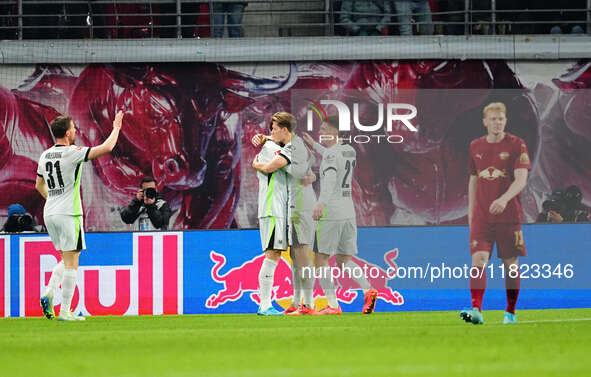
(243, 279)
(152, 284)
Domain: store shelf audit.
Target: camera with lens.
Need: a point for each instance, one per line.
(150, 193)
(552, 205)
(567, 203)
(19, 223)
(556, 202)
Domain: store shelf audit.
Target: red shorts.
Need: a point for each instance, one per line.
(508, 236)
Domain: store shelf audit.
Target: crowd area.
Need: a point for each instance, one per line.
(77, 19)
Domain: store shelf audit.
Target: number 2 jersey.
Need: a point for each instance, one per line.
(336, 178)
(61, 168)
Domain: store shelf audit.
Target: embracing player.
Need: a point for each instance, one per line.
(302, 200)
(499, 164)
(273, 209)
(58, 180)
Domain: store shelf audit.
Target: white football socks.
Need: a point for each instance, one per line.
(55, 279)
(307, 282)
(357, 276)
(296, 273)
(68, 286)
(266, 277)
(328, 286)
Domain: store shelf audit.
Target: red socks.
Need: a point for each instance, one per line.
(477, 287)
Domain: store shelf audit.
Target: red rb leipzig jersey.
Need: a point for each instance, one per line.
(494, 164)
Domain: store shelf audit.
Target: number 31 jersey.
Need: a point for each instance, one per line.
(336, 177)
(61, 168)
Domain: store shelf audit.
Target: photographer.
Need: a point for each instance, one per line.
(148, 208)
(20, 221)
(564, 205)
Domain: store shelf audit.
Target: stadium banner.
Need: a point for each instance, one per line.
(190, 126)
(197, 272)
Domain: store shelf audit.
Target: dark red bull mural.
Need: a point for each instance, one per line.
(189, 125)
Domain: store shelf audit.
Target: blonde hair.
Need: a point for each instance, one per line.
(285, 120)
(494, 106)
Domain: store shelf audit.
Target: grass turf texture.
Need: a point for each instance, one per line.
(554, 343)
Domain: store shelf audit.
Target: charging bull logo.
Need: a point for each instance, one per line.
(244, 280)
(150, 282)
(491, 173)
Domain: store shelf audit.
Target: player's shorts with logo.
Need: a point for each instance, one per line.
(274, 233)
(302, 228)
(66, 232)
(508, 237)
(336, 237)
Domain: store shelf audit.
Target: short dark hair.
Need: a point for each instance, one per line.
(60, 125)
(333, 121)
(285, 120)
(147, 179)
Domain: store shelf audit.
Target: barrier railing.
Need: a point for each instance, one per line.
(77, 19)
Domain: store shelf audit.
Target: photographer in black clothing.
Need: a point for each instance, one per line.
(564, 205)
(20, 221)
(147, 208)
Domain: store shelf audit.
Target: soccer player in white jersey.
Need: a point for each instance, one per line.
(273, 211)
(58, 180)
(302, 202)
(336, 232)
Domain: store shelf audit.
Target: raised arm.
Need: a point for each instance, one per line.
(108, 145)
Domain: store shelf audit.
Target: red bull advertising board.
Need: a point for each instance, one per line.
(191, 272)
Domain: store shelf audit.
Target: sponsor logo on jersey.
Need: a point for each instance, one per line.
(491, 173)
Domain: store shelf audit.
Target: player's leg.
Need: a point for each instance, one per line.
(54, 281)
(326, 245)
(70, 259)
(482, 238)
(324, 276)
(477, 287)
(344, 258)
(351, 270)
(510, 247)
(72, 242)
(512, 286)
(266, 279)
(297, 283)
(305, 276)
(274, 238)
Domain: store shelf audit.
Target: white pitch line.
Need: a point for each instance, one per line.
(557, 320)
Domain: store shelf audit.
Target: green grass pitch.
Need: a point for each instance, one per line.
(544, 343)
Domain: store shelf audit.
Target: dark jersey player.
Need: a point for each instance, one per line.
(499, 163)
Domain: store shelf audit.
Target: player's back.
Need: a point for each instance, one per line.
(61, 168)
(274, 187)
(342, 159)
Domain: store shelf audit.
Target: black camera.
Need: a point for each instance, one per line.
(150, 193)
(19, 223)
(552, 205)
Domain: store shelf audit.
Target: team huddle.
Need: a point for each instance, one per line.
(292, 217)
